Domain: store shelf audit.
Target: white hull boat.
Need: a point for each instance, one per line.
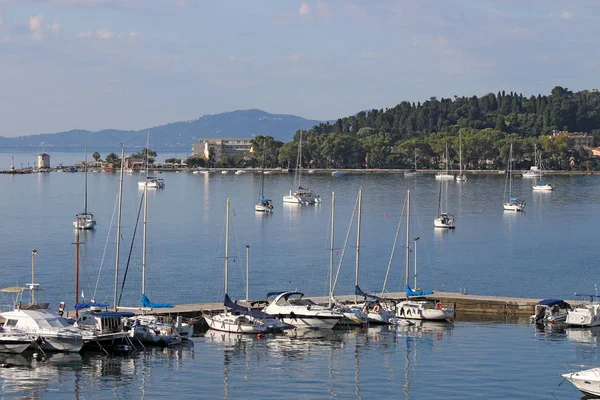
(235, 323)
(550, 312)
(586, 315)
(53, 333)
(543, 186)
(14, 342)
(302, 195)
(461, 178)
(444, 176)
(514, 206)
(293, 309)
(152, 183)
(84, 221)
(445, 221)
(425, 310)
(587, 381)
(511, 203)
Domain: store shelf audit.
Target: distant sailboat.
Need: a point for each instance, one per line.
(151, 182)
(443, 219)
(538, 184)
(511, 203)
(460, 177)
(85, 219)
(446, 173)
(414, 172)
(302, 195)
(263, 204)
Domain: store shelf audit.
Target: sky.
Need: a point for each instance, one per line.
(134, 64)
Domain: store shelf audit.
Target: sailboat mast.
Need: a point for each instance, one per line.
(510, 171)
(358, 221)
(144, 239)
(147, 153)
(300, 161)
(85, 182)
(227, 247)
(76, 267)
(331, 247)
(262, 175)
(460, 153)
(407, 233)
(119, 224)
(447, 166)
(415, 159)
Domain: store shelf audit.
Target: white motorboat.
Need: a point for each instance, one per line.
(292, 308)
(14, 341)
(85, 219)
(53, 332)
(511, 203)
(152, 182)
(585, 315)
(301, 195)
(104, 330)
(378, 311)
(587, 381)
(239, 172)
(550, 312)
(533, 172)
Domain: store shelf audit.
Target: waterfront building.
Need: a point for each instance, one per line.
(221, 147)
(576, 139)
(43, 161)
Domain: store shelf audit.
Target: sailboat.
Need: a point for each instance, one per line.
(460, 177)
(446, 173)
(85, 219)
(511, 203)
(146, 328)
(151, 182)
(237, 319)
(444, 219)
(538, 184)
(302, 195)
(414, 172)
(263, 204)
(416, 306)
(535, 171)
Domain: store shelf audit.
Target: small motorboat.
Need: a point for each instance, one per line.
(587, 381)
(550, 312)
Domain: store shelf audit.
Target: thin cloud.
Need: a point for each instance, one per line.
(566, 15)
(36, 27)
(304, 10)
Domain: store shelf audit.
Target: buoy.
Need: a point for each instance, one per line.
(295, 329)
(259, 335)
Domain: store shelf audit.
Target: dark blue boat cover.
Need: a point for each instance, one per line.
(79, 306)
(244, 310)
(367, 296)
(551, 302)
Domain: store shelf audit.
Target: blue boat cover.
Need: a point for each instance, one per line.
(79, 306)
(551, 302)
(513, 198)
(367, 296)
(147, 303)
(410, 292)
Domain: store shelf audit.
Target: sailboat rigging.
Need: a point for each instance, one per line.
(511, 203)
(446, 173)
(414, 172)
(444, 219)
(461, 177)
(263, 204)
(302, 195)
(151, 182)
(538, 184)
(85, 219)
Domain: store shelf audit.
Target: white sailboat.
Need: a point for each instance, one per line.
(301, 195)
(461, 177)
(147, 329)
(263, 204)
(232, 320)
(84, 219)
(414, 172)
(511, 203)
(446, 173)
(538, 184)
(151, 182)
(419, 308)
(444, 219)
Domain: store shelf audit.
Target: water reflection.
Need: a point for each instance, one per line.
(584, 335)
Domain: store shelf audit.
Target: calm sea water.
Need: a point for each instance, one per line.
(548, 251)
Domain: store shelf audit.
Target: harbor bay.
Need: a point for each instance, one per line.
(548, 251)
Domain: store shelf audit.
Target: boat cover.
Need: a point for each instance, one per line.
(551, 302)
(410, 292)
(79, 306)
(244, 310)
(147, 303)
(367, 296)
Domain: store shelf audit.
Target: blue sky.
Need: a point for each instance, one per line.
(133, 64)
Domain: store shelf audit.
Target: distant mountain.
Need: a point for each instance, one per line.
(234, 124)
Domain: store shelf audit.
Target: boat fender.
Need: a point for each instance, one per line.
(438, 305)
(170, 330)
(376, 308)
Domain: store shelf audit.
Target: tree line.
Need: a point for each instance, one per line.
(486, 126)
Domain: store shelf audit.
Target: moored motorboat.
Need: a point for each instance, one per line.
(444, 220)
(292, 308)
(587, 381)
(550, 312)
(15, 341)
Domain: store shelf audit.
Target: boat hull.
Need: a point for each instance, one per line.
(513, 207)
(223, 324)
(311, 322)
(444, 176)
(587, 381)
(14, 346)
(547, 187)
(586, 316)
(419, 311)
(60, 343)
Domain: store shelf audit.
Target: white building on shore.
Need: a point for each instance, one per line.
(221, 147)
(43, 161)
